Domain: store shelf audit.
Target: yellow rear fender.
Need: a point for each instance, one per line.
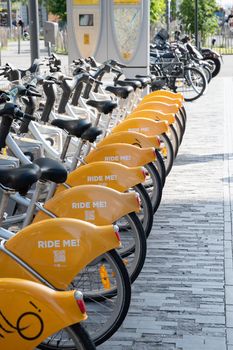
(131, 137)
(168, 94)
(114, 175)
(30, 313)
(144, 126)
(164, 99)
(154, 115)
(96, 204)
(122, 153)
(158, 106)
(58, 249)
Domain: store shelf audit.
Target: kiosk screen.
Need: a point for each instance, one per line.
(86, 20)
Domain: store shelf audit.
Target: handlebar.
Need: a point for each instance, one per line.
(9, 112)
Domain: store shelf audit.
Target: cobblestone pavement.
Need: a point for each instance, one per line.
(183, 298)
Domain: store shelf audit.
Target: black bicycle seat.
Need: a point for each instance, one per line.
(51, 170)
(20, 179)
(105, 107)
(168, 55)
(144, 81)
(149, 77)
(120, 91)
(74, 127)
(91, 134)
(135, 84)
(158, 84)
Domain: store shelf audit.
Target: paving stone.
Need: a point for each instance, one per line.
(178, 301)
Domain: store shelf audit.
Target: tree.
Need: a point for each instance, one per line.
(207, 20)
(157, 10)
(56, 7)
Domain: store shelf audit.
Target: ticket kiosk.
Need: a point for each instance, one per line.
(105, 29)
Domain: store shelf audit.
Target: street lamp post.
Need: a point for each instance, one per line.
(196, 24)
(9, 16)
(34, 29)
(168, 15)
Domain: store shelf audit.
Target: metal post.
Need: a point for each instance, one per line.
(9, 16)
(19, 38)
(168, 15)
(196, 24)
(34, 29)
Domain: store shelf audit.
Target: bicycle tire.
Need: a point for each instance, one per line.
(179, 129)
(106, 308)
(188, 70)
(80, 337)
(160, 166)
(147, 219)
(174, 139)
(134, 252)
(169, 157)
(217, 64)
(153, 186)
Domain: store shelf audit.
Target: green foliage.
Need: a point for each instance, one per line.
(207, 20)
(56, 7)
(157, 10)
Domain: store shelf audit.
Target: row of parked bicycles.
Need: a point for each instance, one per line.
(181, 66)
(84, 159)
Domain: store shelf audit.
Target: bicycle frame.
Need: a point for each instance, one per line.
(35, 313)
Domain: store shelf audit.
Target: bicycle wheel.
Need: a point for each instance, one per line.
(167, 152)
(106, 288)
(207, 73)
(174, 139)
(153, 185)
(133, 241)
(179, 128)
(74, 337)
(160, 166)
(146, 213)
(192, 85)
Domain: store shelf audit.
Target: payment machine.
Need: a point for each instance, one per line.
(110, 29)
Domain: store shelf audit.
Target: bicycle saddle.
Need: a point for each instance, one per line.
(74, 127)
(158, 84)
(91, 134)
(168, 55)
(51, 170)
(150, 77)
(120, 91)
(135, 84)
(144, 81)
(105, 107)
(20, 179)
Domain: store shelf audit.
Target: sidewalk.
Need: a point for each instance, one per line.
(23, 60)
(183, 299)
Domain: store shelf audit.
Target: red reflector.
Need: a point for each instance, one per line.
(155, 153)
(138, 199)
(159, 141)
(144, 173)
(79, 300)
(116, 230)
(82, 306)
